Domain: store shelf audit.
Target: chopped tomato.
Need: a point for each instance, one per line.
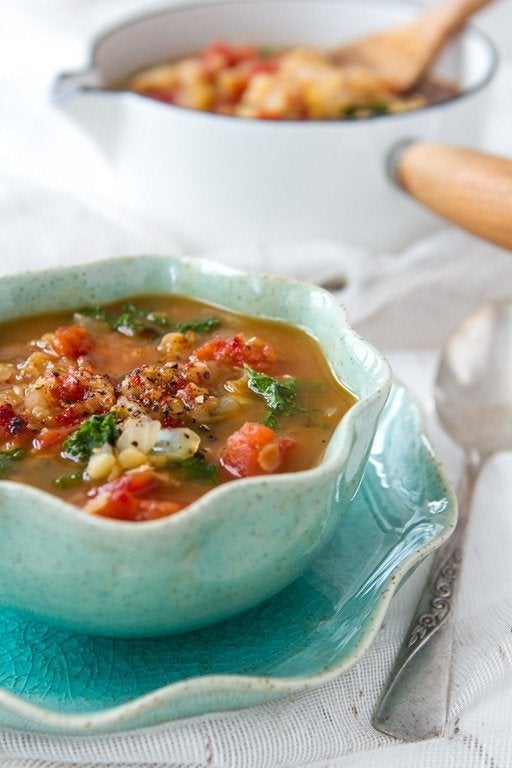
(238, 350)
(120, 499)
(136, 482)
(258, 66)
(72, 341)
(49, 438)
(152, 509)
(123, 505)
(219, 55)
(70, 387)
(12, 425)
(167, 95)
(255, 449)
(119, 505)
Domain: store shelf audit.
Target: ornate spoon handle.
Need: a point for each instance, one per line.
(414, 703)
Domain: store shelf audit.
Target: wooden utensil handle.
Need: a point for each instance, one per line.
(445, 18)
(470, 188)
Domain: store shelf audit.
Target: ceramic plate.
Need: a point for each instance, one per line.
(53, 680)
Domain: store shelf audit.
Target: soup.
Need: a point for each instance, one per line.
(136, 409)
(299, 83)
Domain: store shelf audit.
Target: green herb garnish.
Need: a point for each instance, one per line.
(377, 108)
(380, 108)
(97, 313)
(6, 460)
(134, 321)
(201, 325)
(92, 433)
(197, 468)
(279, 394)
(69, 481)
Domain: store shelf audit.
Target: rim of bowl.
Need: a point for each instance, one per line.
(97, 41)
(202, 505)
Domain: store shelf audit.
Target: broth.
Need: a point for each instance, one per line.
(135, 409)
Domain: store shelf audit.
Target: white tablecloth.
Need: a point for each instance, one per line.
(58, 204)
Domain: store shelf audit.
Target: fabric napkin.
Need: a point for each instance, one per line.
(59, 205)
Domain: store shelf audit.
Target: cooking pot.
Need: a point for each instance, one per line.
(219, 180)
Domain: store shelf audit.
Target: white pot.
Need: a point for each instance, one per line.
(219, 180)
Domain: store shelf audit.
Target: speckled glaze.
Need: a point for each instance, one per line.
(53, 680)
(236, 546)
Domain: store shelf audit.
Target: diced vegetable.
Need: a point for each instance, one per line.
(177, 444)
(11, 423)
(48, 438)
(141, 433)
(238, 351)
(120, 499)
(72, 341)
(255, 449)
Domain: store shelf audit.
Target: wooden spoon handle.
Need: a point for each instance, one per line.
(470, 188)
(431, 30)
(446, 18)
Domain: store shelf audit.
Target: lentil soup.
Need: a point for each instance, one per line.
(136, 409)
(298, 83)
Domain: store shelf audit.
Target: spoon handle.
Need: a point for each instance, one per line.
(414, 703)
(442, 20)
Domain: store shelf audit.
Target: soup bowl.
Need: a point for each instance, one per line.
(241, 542)
(225, 180)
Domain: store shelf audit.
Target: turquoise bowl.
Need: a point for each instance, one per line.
(239, 544)
(56, 681)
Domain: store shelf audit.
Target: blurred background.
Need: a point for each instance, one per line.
(53, 177)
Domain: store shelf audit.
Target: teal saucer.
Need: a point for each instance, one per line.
(55, 681)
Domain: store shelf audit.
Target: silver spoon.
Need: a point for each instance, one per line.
(473, 396)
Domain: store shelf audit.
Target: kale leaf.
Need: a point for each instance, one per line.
(134, 321)
(92, 433)
(97, 313)
(279, 394)
(197, 468)
(6, 460)
(69, 481)
(201, 325)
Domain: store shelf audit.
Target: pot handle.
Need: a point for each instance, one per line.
(470, 188)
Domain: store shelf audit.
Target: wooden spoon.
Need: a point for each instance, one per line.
(402, 55)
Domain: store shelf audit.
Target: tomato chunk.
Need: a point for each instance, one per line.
(121, 499)
(219, 55)
(137, 482)
(153, 509)
(12, 425)
(255, 449)
(238, 350)
(49, 438)
(72, 341)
